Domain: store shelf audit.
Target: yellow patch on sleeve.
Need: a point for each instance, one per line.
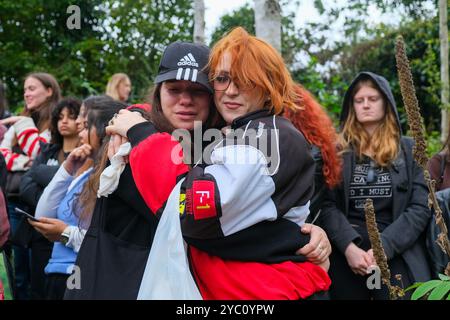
(182, 203)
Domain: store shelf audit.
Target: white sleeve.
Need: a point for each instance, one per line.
(53, 194)
(245, 187)
(76, 236)
(8, 138)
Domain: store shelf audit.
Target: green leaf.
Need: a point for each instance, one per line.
(425, 288)
(440, 291)
(413, 286)
(443, 277)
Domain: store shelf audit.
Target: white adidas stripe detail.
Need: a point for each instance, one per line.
(191, 57)
(179, 73)
(187, 73)
(194, 75)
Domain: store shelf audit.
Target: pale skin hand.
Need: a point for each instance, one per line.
(114, 144)
(77, 158)
(370, 253)
(49, 228)
(11, 120)
(318, 249)
(358, 259)
(123, 121)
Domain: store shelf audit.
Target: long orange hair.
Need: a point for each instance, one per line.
(255, 63)
(384, 142)
(317, 127)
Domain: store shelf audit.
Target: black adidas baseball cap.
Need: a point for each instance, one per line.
(184, 61)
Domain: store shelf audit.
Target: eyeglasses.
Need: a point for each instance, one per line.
(372, 173)
(222, 82)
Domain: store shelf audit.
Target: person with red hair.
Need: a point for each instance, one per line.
(317, 127)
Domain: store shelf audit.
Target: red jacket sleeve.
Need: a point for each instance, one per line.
(156, 162)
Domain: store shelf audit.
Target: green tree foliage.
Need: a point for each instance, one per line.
(245, 17)
(34, 37)
(115, 36)
(377, 55)
(327, 67)
(136, 33)
(365, 46)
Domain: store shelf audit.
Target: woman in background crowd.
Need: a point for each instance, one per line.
(20, 146)
(378, 164)
(119, 87)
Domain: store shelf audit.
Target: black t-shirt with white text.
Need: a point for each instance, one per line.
(374, 182)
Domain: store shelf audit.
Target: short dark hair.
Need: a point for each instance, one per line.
(73, 106)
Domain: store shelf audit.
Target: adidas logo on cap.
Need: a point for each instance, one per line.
(188, 60)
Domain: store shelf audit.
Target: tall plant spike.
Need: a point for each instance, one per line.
(411, 103)
(378, 251)
(415, 122)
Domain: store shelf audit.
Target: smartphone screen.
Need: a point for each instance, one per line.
(29, 216)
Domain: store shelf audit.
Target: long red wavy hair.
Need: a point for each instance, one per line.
(317, 127)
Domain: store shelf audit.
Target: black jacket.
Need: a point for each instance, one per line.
(411, 215)
(40, 174)
(114, 252)
(439, 259)
(260, 222)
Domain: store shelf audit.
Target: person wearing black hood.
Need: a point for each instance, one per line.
(379, 165)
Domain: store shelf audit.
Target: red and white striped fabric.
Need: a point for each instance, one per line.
(27, 137)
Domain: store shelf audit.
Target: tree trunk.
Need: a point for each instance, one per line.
(199, 21)
(268, 22)
(443, 35)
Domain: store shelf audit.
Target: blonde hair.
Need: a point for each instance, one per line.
(385, 140)
(256, 63)
(113, 84)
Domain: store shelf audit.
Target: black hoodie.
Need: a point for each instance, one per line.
(404, 236)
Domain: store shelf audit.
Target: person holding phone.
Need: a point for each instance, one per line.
(26, 214)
